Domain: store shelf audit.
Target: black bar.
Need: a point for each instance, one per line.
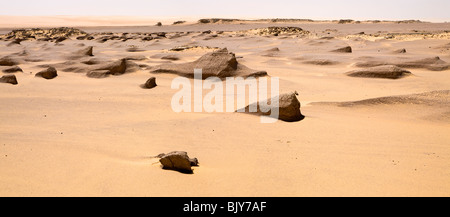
(224, 206)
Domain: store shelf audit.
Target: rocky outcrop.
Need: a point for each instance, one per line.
(277, 30)
(38, 33)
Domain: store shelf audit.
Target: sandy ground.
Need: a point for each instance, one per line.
(79, 136)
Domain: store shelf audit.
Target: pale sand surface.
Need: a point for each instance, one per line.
(79, 136)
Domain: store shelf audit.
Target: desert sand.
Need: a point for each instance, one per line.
(372, 135)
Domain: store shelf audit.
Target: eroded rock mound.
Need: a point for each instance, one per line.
(7, 61)
(12, 69)
(48, 73)
(219, 63)
(436, 99)
(288, 107)
(271, 52)
(386, 71)
(11, 79)
(170, 57)
(98, 74)
(346, 49)
(86, 51)
(178, 160)
(432, 63)
(321, 62)
(120, 67)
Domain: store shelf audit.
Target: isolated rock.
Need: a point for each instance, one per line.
(386, 71)
(158, 24)
(288, 107)
(48, 73)
(98, 74)
(150, 83)
(11, 79)
(178, 160)
(12, 69)
(220, 63)
(7, 61)
(347, 49)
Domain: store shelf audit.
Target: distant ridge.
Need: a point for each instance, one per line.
(287, 20)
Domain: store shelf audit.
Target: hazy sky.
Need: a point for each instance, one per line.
(431, 10)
